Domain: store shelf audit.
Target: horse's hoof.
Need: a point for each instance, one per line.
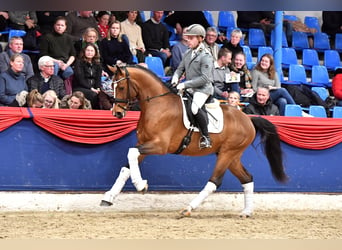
(185, 212)
(105, 203)
(144, 190)
(244, 215)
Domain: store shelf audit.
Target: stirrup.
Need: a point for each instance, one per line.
(205, 142)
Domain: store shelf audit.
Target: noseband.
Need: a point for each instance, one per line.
(118, 101)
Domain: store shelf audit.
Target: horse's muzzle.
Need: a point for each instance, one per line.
(120, 114)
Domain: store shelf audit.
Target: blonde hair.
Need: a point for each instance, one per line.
(53, 94)
(33, 97)
(109, 34)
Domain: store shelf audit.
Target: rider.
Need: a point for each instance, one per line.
(197, 64)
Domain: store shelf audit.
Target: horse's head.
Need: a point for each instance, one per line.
(123, 92)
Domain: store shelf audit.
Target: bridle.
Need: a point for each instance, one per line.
(127, 100)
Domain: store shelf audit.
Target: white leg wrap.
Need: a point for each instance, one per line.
(138, 182)
(248, 190)
(206, 191)
(118, 185)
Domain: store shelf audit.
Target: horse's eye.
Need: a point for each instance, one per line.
(121, 88)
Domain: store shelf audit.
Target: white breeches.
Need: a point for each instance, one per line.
(198, 101)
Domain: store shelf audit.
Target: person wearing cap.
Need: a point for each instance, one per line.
(197, 64)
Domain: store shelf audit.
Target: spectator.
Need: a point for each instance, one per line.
(90, 36)
(256, 19)
(234, 43)
(3, 20)
(15, 46)
(35, 99)
(50, 100)
(337, 86)
(22, 20)
(178, 51)
(102, 23)
(239, 66)
(220, 75)
(45, 79)
(88, 70)
(60, 47)
(261, 103)
(332, 24)
(264, 74)
(13, 88)
(234, 99)
(78, 22)
(76, 100)
(134, 34)
(210, 41)
(115, 48)
(156, 37)
(46, 20)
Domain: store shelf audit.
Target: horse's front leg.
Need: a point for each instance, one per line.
(133, 160)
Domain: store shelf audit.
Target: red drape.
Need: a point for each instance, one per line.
(99, 126)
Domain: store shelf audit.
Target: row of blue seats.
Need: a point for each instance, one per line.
(314, 110)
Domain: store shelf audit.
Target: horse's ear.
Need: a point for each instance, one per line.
(114, 68)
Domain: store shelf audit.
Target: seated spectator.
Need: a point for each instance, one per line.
(234, 99)
(15, 46)
(332, 24)
(13, 88)
(50, 100)
(45, 79)
(88, 71)
(106, 95)
(76, 100)
(256, 19)
(3, 20)
(178, 51)
(78, 22)
(264, 74)
(239, 66)
(133, 31)
(90, 36)
(115, 48)
(261, 103)
(46, 20)
(60, 47)
(337, 86)
(156, 37)
(34, 99)
(102, 23)
(210, 41)
(221, 75)
(234, 43)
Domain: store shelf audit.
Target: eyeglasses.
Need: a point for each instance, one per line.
(49, 66)
(48, 101)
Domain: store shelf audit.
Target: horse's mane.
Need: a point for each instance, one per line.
(155, 76)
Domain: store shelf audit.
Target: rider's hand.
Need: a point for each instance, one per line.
(180, 86)
(174, 81)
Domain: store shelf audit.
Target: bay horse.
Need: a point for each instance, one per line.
(160, 131)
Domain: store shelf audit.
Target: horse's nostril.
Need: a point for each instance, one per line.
(119, 114)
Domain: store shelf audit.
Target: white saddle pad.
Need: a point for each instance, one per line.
(215, 116)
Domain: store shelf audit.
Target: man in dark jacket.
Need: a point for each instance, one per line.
(261, 103)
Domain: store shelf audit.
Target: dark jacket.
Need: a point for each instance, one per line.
(11, 84)
(54, 83)
(245, 18)
(87, 75)
(254, 108)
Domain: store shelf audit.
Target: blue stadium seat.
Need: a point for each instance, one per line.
(312, 22)
(310, 58)
(320, 76)
(317, 111)
(256, 38)
(264, 50)
(290, 17)
(338, 42)
(337, 112)
(249, 58)
(293, 110)
(155, 64)
(321, 91)
(332, 60)
(297, 74)
(321, 42)
(209, 16)
(284, 39)
(225, 20)
(300, 40)
(288, 57)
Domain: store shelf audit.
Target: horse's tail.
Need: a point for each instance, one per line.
(271, 141)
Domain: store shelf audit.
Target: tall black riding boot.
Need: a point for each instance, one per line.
(205, 141)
